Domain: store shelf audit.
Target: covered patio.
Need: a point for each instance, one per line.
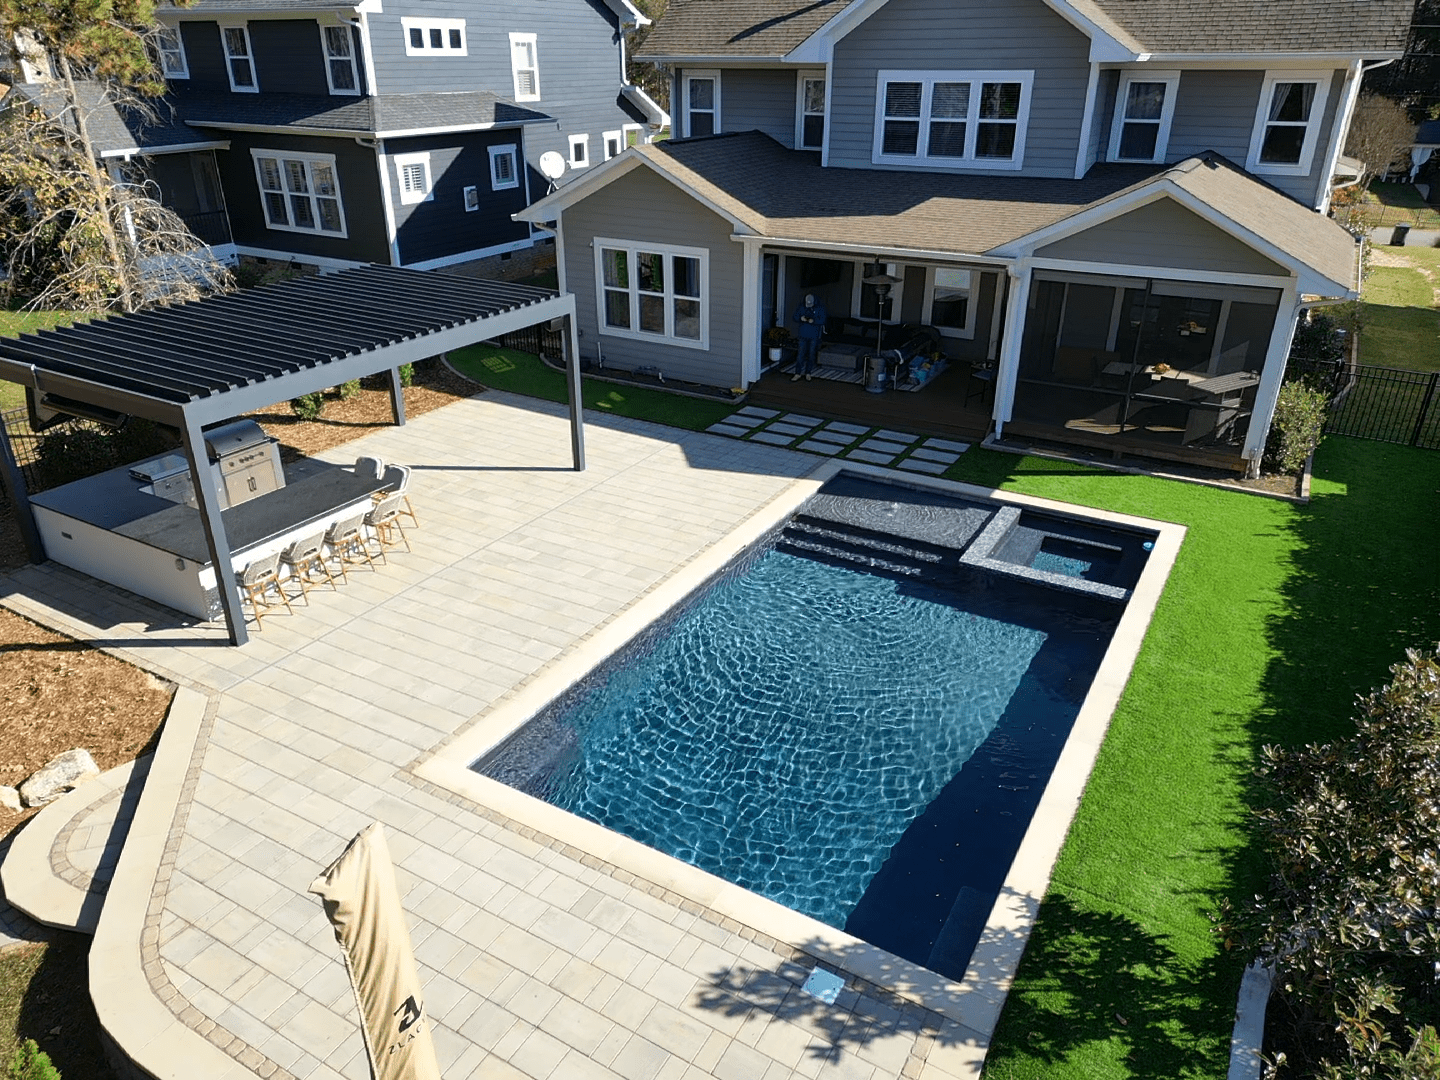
(193, 366)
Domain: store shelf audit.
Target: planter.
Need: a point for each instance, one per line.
(775, 353)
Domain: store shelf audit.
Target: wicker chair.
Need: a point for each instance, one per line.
(397, 482)
(305, 559)
(257, 580)
(372, 468)
(347, 544)
(384, 520)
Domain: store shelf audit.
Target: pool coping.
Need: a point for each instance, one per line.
(975, 1001)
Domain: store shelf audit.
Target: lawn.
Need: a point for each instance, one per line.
(18, 322)
(1400, 324)
(1397, 204)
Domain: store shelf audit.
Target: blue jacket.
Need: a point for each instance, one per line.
(813, 329)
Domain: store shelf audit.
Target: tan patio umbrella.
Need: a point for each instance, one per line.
(363, 905)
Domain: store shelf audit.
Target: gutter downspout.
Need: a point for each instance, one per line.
(1340, 129)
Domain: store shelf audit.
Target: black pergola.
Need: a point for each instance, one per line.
(197, 364)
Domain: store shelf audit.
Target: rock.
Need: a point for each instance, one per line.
(9, 798)
(68, 771)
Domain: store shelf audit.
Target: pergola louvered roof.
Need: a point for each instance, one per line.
(212, 359)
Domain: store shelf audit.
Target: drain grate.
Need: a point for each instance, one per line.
(824, 985)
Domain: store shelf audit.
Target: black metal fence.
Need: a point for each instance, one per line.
(1385, 404)
(540, 340)
(26, 444)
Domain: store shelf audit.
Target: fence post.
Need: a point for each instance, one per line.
(1424, 409)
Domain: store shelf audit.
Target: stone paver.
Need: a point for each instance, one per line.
(826, 435)
(870, 457)
(798, 418)
(755, 410)
(847, 429)
(895, 436)
(536, 961)
(782, 428)
(934, 468)
(949, 457)
(882, 446)
(947, 444)
(772, 438)
(733, 430)
(815, 446)
(741, 419)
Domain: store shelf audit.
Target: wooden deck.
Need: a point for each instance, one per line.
(940, 408)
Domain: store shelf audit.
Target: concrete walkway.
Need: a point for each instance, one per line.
(538, 960)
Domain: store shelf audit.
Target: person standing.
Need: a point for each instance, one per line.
(811, 317)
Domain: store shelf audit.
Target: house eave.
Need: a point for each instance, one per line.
(713, 60)
(127, 152)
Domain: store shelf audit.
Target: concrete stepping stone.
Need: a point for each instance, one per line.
(870, 457)
(728, 429)
(771, 438)
(947, 456)
(839, 438)
(934, 468)
(815, 446)
(792, 430)
(847, 429)
(744, 421)
(881, 446)
(895, 436)
(947, 444)
(755, 410)
(796, 418)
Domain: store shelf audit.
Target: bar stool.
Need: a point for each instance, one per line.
(346, 541)
(306, 557)
(257, 580)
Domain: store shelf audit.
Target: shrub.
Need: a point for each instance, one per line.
(1297, 427)
(31, 1063)
(308, 406)
(1350, 922)
(349, 389)
(81, 450)
(407, 374)
(1318, 338)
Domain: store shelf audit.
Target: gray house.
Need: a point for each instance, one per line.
(1104, 216)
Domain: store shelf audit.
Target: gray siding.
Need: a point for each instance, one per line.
(965, 35)
(1162, 234)
(1214, 110)
(442, 226)
(576, 46)
(359, 194)
(759, 100)
(641, 206)
(1106, 89)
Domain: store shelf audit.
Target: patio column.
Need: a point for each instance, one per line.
(208, 503)
(14, 484)
(750, 312)
(397, 395)
(1273, 374)
(1008, 369)
(571, 335)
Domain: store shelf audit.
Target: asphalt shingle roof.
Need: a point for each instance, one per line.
(753, 28)
(390, 113)
(114, 127)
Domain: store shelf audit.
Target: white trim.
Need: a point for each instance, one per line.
(409, 193)
(367, 54)
(612, 139)
(325, 262)
(638, 130)
(668, 251)
(330, 58)
(581, 143)
(471, 256)
(1161, 273)
(392, 232)
(1007, 369)
(1083, 159)
(1272, 374)
(248, 57)
(1322, 80)
(1163, 282)
(502, 150)
(691, 75)
(560, 277)
(166, 35)
(1171, 81)
(750, 329)
(531, 42)
(825, 146)
(1104, 46)
(972, 303)
(972, 121)
(128, 152)
(801, 78)
(1340, 131)
(425, 26)
(257, 154)
(909, 256)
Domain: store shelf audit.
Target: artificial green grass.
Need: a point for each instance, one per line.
(523, 373)
(1274, 618)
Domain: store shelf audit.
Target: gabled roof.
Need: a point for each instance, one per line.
(780, 194)
(742, 29)
(387, 116)
(117, 130)
(737, 28)
(626, 11)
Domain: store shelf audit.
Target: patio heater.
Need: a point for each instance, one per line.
(882, 283)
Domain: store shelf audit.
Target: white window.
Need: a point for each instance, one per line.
(300, 193)
(702, 103)
(172, 53)
(472, 198)
(579, 151)
(1144, 109)
(504, 167)
(653, 292)
(950, 301)
(433, 37)
(1287, 123)
(525, 67)
(810, 111)
(952, 119)
(413, 171)
(614, 142)
(340, 59)
(239, 60)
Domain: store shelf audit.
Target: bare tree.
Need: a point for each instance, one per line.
(1380, 135)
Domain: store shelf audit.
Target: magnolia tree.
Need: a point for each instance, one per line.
(73, 235)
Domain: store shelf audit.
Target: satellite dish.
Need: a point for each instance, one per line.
(552, 165)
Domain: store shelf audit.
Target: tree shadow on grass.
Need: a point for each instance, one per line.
(49, 1001)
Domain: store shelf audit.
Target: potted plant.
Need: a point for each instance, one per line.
(777, 339)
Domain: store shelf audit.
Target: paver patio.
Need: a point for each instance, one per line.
(538, 960)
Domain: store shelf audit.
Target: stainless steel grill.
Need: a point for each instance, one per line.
(244, 460)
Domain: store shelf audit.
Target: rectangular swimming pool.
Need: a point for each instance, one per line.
(857, 717)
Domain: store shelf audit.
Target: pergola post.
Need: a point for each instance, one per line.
(14, 482)
(577, 400)
(208, 502)
(397, 397)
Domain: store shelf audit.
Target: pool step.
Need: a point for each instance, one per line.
(878, 551)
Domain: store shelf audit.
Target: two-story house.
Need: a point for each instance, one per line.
(1107, 214)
